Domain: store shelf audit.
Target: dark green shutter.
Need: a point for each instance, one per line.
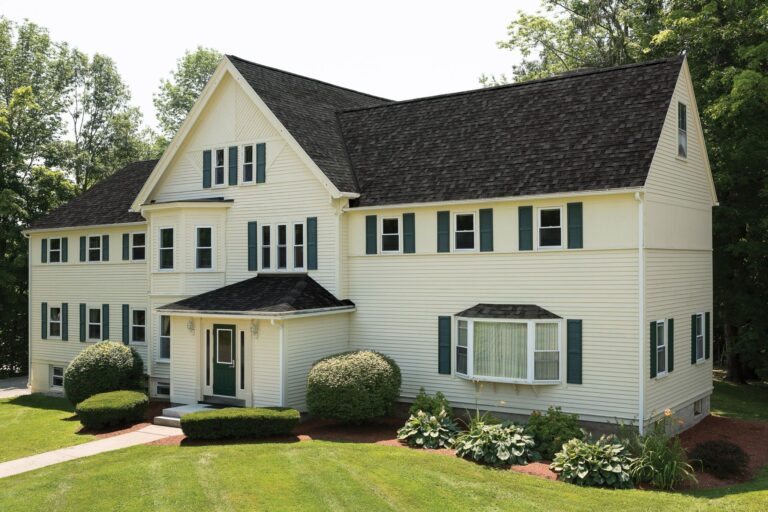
(574, 351)
(126, 246)
(253, 258)
(486, 230)
(64, 249)
(693, 339)
(706, 335)
(443, 232)
(670, 344)
(82, 248)
(44, 320)
(44, 250)
(653, 349)
(370, 234)
(207, 168)
(409, 233)
(233, 165)
(444, 344)
(525, 228)
(105, 321)
(261, 163)
(65, 322)
(105, 248)
(311, 243)
(126, 323)
(575, 226)
(82, 322)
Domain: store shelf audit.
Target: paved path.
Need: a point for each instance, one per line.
(41, 460)
(15, 386)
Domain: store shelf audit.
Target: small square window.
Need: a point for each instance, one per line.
(218, 170)
(464, 236)
(57, 376)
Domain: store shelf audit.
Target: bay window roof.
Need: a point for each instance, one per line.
(508, 311)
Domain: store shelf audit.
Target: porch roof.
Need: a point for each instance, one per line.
(510, 311)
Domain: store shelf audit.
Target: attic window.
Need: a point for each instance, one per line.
(682, 131)
(218, 174)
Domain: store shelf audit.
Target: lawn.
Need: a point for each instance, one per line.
(36, 423)
(746, 402)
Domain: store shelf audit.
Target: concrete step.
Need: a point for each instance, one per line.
(168, 421)
(181, 410)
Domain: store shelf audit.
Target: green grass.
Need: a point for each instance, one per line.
(36, 423)
(317, 475)
(746, 402)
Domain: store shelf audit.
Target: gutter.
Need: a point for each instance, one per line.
(641, 311)
(27, 232)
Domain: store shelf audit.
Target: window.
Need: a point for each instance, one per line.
(94, 248)
(550, 228)
(390, 235)
(298, 246)
(166, 248)
(163, 389)
(94, 324)
(248, 164)
(138, 326)
(204, 249)
(218, 169)
(138, 246)
(682, 131)
(54, 250)
(57, 376)
(698, 407)
(266, 246)
(699, 327)
(525, 351)
(464, 236)
(661, 349)
(54, 322)
(282, 246)
(165, 337)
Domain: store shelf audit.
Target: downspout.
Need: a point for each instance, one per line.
(641, 311)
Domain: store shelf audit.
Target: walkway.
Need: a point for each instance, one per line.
(41, 460)
(13, 387)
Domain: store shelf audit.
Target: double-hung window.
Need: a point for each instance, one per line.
(682, 130)
(94, 324)
(54, 322)
(248, 164)
(218, 168)
(550, 228)
(266, 246)
(204, 248)
(94, 248)
(165, 337)
(298, 246)
(390, 234)
(138, 246)
(514, 351)
(699, 333)
(282, 246)
(166, 249)
(54, 250)
(57, 376)
(661, 349)
(464, 232)
(138, 326)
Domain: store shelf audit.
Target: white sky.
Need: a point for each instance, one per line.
(396, 49)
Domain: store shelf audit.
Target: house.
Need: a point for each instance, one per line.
(515, 247)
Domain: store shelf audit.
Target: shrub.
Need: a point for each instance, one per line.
(112, 409)
(551, 430)
(235, 422)
(353, 386)
(599, 464)
(424, 430)
(105, 366)
(432, 405)
(499, 444)
(722, 459)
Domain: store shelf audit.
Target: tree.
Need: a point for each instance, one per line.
(178, 93)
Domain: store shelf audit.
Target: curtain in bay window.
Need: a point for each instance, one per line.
(546, 357)
(500, 350)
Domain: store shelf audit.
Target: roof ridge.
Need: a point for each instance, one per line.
(229, 56)
(563, 76)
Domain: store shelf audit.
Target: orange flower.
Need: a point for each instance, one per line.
(667, 412)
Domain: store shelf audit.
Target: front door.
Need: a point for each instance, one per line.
(224, 360)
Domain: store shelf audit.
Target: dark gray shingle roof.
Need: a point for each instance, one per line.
(265, 293)
(509, 311)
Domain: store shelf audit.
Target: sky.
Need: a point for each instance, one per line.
(395, 49)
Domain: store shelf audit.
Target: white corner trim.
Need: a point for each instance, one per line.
(641, 312)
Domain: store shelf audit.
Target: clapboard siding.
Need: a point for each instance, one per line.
(185, 362)
(266, 366)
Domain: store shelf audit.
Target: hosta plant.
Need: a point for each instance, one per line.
(600, 464)
(501, 444)
(423, 430)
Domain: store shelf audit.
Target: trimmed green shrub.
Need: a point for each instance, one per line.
(552, 429)
(431, 405)
(499, 444)
(424, 430)
(236, 422)
(105, 366)
(599, 464)
(353, 386)
(112, 409)
(722, 459)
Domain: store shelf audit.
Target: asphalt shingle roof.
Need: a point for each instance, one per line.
(265, 293)
(510, 311)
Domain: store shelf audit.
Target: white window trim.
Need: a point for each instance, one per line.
(212, 248)
(399, 221)
(132, 325)
(703, 318)
(214, 166)
(287, 246)
(292, 245)
(88, 323)
(160, 248)
(270, 247)
(539, 228)
(60, 322)
(50, 383)
(131, 245)
(663, 324)
(162, 383)
(160, 358)
(88, 249)
(531, 339)
(232, 346)
(241, 150)
(49, 250)
(475, 231)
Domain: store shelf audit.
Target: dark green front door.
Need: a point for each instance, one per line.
(224, 360)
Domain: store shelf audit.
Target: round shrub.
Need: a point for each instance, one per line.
(423, 430)
(552, 429)
(112, 409)
(600, 464)
(105, 366)
(353, 386)
(235, 422)
(722, 459)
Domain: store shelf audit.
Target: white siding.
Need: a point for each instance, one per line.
(267, 387)
(186, 363)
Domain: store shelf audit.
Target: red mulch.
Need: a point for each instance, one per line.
(751, 436)
(155, 409)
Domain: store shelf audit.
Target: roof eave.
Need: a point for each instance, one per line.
(263, 315)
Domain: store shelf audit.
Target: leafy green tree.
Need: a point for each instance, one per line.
(178, 93)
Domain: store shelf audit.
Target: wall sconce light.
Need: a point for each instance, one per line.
(191, 326)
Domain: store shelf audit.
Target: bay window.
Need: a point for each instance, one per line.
(204, 249)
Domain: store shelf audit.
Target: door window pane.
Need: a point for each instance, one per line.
(224, 347)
